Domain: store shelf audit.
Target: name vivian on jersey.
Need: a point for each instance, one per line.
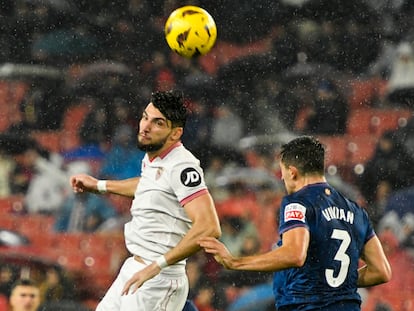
(295, 211)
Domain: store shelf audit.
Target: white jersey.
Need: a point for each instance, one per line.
(159, 221)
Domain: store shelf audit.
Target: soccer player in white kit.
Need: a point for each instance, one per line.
(172, 208)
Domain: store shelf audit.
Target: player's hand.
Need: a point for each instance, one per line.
(218, 250)
(83, 183)
(139, 278)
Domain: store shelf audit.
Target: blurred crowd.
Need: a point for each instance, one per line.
(279, 69)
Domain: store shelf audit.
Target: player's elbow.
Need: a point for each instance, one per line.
(215, 232)
(297, 259)
(213, 229)
(386, 274)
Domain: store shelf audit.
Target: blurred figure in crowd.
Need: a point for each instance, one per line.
(25, 296)
(400, 88)
(329, 111)
(391, 163)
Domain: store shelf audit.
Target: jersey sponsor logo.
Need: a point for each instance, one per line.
(295, 211)
(190, 177)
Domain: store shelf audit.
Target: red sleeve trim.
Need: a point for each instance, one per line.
(193, 196)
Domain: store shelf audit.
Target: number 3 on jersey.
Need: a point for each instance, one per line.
(340, 256)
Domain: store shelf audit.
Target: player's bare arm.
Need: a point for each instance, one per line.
(205, 222)
(377, 269)
(87, 183)
(291, 254)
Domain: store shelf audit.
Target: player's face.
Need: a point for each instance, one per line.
(25, 298)
(287, 177)
(154, 130)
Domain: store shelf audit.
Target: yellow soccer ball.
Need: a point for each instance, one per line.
(190, 31)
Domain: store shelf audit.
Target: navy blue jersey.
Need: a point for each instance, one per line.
(338, 229)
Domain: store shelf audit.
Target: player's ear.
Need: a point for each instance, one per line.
(293, 172)
(176, 133)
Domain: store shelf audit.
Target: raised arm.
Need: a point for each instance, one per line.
(377, 269)
(87, 183)
(205, 222)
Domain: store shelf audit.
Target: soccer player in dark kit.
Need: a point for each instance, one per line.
(323, 236)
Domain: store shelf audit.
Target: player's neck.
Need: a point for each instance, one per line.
(309, 180)
(164, 150)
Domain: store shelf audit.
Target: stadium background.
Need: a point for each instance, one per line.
(60, 60)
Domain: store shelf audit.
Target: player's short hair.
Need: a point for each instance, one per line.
(171, 104)
(306, 153)
(23, 282)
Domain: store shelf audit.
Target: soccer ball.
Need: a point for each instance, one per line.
(190, 31)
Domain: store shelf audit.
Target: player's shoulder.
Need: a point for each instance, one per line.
(180, 156)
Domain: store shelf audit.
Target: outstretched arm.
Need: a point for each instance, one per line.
(291, 254)
(87, 183)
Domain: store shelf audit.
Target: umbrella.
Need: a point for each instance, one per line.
(22, 71)
(12, 238)
(249, 176)
(103, 68)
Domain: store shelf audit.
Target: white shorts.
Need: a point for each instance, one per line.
(161, 293)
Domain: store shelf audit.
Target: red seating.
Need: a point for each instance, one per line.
(37, 228)
(50, 140)
(74, 116)
(364, 92)
(348, 150)
(11, 204)
(72, 121)
(4, 303)
(359, 122)
(336, 149)
(11, 94)
(375, 121)
(8, 221)
(360, 148)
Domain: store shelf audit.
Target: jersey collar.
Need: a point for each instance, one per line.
(167, 151)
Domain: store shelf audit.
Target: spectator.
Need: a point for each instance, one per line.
(329, 111)
(52, 289)
(205, 296)
(7, 278)
(6, 167)
(38, 175)
(197, 138)
(235, 231)
(376, 209)
(94, 136)
(406, 134)
(268, 198)
(83, 212)
(25, 296)
(400, 88)
(123, 159)
(227, 128)
(399, 214)
(390, 162)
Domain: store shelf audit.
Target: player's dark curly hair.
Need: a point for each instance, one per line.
(171, 104)
(306, 153)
